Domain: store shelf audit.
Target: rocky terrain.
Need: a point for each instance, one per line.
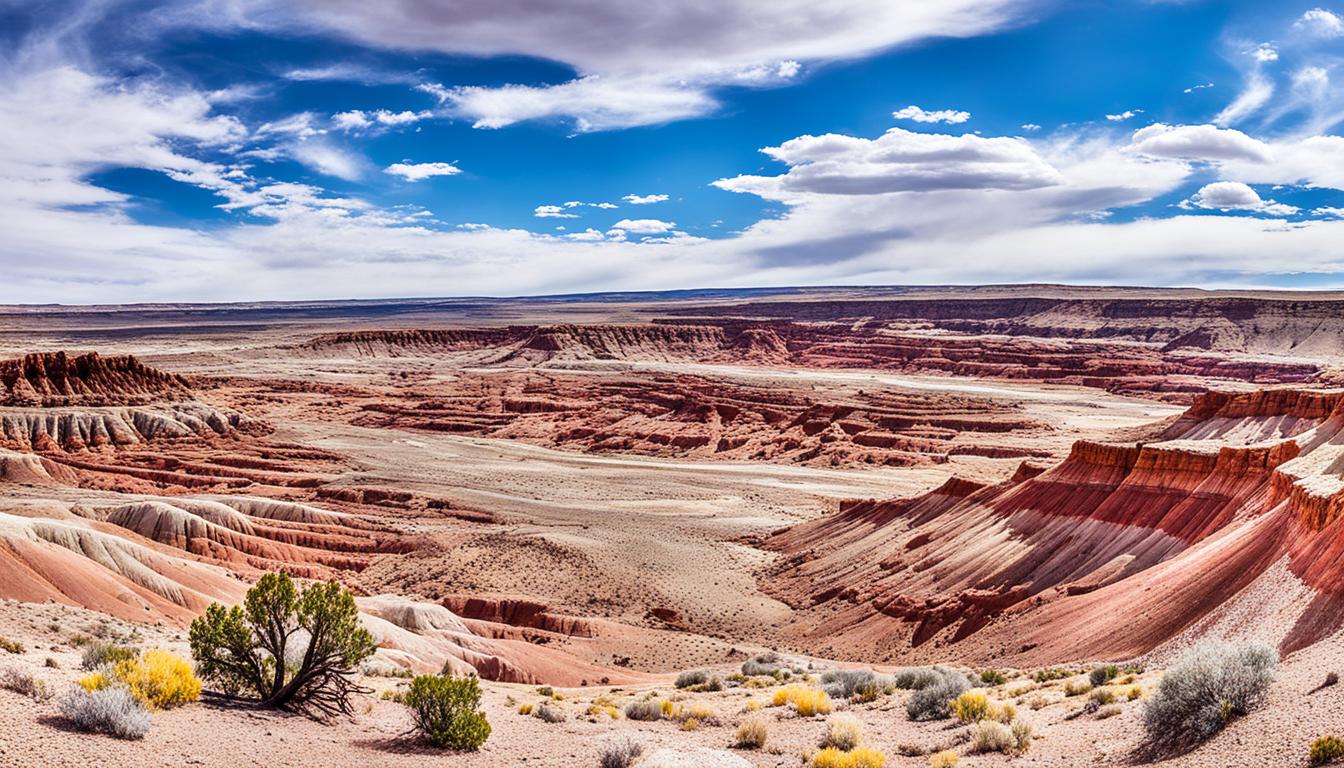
(595, 494)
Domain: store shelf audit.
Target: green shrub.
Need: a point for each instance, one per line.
(1326, 749)
(993, 677)
(1050, 674)
(447, 711)
(285, 647)
(1103, 674)
(1210, 686)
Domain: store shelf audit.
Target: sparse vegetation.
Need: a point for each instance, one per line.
(1051, 674)
(1103, 674)
(691, 678)
(971, 707)
(753, 732)
(621, 751)
(447, 711)
(1110, 710)
(993, 677)
(285, 647)
(857, 684)
(931, 701)
(645, 710)
(11, 646)
(1102, 696)
(1327, 749)
(805, 700)
(24, 683)
(1077, 687)
(862, 757)
(99, 654)
(113, 711)
(1021, 737)
(844, 732)
(158, 680)
(550, 713)
(991, 736)
(945, 759)
(1209, 687)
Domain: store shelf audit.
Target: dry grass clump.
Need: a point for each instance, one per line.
(113, 711)
(1110, 710)
(860, 757)
(620, 751)
(970, 707)
(1209, 687)
(24, 683)
(1050, 674)
(994, 736)
(1102, 696)
(805, 700)
(931, 702)
(11, 646)
(1077, 687)
(945, 759)
(1327, 749)
(753, 732)
(844, 732)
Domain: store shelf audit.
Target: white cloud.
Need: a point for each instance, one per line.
(636, 63)
(299, 126)
(1236, 196)
(356, 120)
(644, 199)
(919, 115)
(1198, 143)
(421, 171)
(898, 161)
(1127, 114)
(1031, 127)
(1322, 22)
(1199, 87)
(1328, 212)
(552, 212)
(327, 158)
(644, 226)
(1257, 91)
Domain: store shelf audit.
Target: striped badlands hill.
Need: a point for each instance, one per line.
(1228, 524)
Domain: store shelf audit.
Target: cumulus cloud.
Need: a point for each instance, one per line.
(644, 226)
(644, 199)
(421, 171)
(1198, 143)
(1236, 196)
(552, 212)
(898, 161)
(357, 120)
(636, 63)
(1322, 22)
(1127, 114)
(919, 115)
(1031, 127)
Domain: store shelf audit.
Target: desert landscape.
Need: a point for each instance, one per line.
(716, 506)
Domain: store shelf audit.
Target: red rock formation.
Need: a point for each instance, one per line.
(54, 378)
(1114, 551)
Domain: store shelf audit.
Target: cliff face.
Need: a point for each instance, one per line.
(1181, 533)
(55, 379)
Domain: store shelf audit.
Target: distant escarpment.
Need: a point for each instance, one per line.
(51, 379)
(1237, 517)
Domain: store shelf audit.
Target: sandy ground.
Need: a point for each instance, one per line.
(33, 734)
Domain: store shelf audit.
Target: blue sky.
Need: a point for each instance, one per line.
(256, 149)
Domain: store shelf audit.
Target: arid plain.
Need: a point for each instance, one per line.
(596, 493)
